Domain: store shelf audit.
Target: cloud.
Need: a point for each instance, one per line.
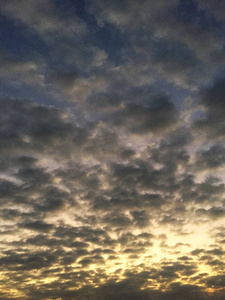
(84, 204)
(172, 37)
(29, 126)
(20, 72)
(158, 116)
(122, 14)
(115, 190)
(214, 104)
(43, 17)
(36, 225)
(216, 281)
(212, 158)
(215, 8)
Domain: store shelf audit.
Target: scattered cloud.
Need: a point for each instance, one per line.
(111, 150)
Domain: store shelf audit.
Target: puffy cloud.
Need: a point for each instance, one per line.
(160, 115)
(108, 192)
(215, 8)
(213, 101)
(123, 14)
(43, 17)
(36, 225)
(20, 72)
(172, 37)
(84, 205)
(212, 158)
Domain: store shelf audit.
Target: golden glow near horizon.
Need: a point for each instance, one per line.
(167, 246)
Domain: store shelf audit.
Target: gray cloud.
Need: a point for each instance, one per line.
(36, 225)
(147, 25)
(116, 190)
(43, 17)
(212, 158)
(214, 104)
(158, 116)
(19, 72)
(138, 194)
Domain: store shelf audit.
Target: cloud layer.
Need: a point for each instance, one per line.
(111, 150)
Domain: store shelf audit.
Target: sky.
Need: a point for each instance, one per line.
(112, 153)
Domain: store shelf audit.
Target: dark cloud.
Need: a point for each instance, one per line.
(212, 158)
(41, 18)
(20, 72)
(30, 126)
(214, 104)
(64, 80)
(116, 189)
(215, 8)
(36, 225)
(138, 194)
(28, 261)
(42, 240)
(215, 281)
(118, 221)
(216, 212)
(158, 116)
(165, 35)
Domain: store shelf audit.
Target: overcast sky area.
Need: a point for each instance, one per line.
(112, 153)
